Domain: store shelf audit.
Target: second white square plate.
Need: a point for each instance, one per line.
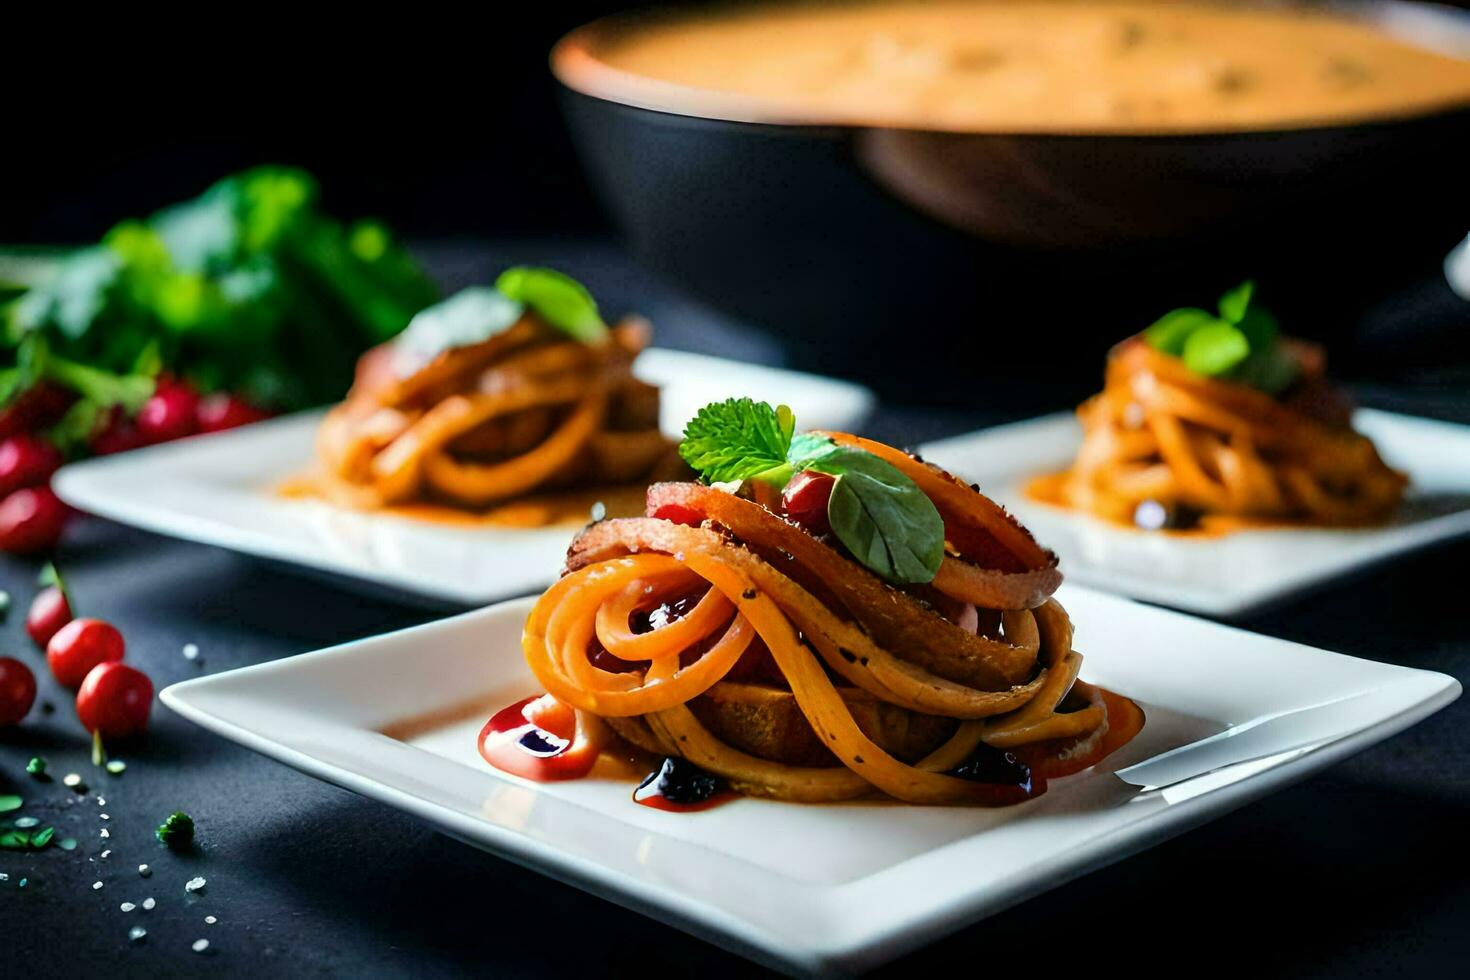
(1231, 716)
(222, 490)
(1228, 575)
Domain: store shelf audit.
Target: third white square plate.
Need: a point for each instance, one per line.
(1228, 575)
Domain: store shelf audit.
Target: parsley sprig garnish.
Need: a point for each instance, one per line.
(884, 520)
(1240, 342)
(740, 439)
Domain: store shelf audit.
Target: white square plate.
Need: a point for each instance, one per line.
(221, 490)
(817, 888)
(1222, 576)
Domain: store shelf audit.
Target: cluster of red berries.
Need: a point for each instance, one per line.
(31, 515)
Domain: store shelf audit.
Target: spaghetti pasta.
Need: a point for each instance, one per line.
(529, 409)
(742, 643)
(1219, 453)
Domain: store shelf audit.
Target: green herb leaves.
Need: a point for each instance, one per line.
(18, 836)
(249, 287)
(740, 439)
(1171, 330)
(1239, 344)
(474, 315)
(176, 831)
(26, 840)
(884, 520)
(560, 300)
(1214, 348)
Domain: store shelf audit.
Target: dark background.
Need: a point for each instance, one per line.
(444, 123)
(440, 122)
(446, 126)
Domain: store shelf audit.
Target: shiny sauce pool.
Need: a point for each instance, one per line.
(536, 738)
(679, 786)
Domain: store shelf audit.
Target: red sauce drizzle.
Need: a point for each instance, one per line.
(543, 750)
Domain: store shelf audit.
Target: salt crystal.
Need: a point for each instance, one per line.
(101, 801)
(148, 904)
(194, 884)
(104, 816)
(104, 833)
(96, 885)
(144, 870)
(191, 651)
(200, 945)
(210, 919)
(24, 822)
(137, 933)
(127, 906)
(105, 853)
(71, 780)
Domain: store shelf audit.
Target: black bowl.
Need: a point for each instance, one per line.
(956, 267)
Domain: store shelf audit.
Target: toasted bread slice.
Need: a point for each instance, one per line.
(766, 722)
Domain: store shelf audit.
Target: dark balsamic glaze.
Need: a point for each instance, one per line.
(680, 786)
(646, 621)
(540, 742)
(991, 765)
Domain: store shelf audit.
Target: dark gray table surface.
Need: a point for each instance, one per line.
(1360, 870)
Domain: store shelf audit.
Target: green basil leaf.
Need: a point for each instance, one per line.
(807, 448)
(470, 316)
(559, 299)
(1212, 350)
(1171, 330)
(1234, 303)
(42, 837)
(881, 516)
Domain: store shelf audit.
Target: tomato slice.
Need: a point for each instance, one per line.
(1065, 756)
(678, 514)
